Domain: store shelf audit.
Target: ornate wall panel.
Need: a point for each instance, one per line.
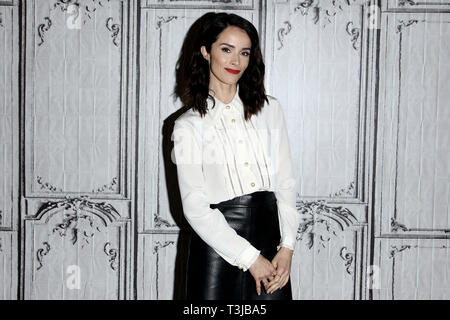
(411, 198)
(8, 265)
(318, 66)
(9, 151)
(417, 5)
(412, 269)
(161, 275)
(320, 46)
(76, 249)
(78, 104)
(414, 119)
(210, 4)
(9, 148)
(76, 108)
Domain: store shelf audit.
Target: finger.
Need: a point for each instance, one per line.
(284, 282)
(273, 287)
(266, 284)
(274, 284)
(258, 287)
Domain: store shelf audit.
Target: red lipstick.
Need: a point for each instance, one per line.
(233, 71)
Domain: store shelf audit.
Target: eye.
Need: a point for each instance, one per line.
(225, 49)
(246, 53)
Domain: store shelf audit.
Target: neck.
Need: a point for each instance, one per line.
(224, 92)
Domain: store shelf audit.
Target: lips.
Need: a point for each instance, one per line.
(232, 71)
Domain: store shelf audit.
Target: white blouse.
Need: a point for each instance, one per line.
(222, 156)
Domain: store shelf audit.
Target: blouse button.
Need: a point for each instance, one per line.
(241, 141)
(246, 164)
(233, 120)
(252, 184)
(228, 107)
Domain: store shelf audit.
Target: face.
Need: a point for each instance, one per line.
(229, 56)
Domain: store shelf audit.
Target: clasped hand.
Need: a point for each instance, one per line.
(274, 275)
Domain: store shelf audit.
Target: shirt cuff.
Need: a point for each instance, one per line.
(287, 244)
(248, 257)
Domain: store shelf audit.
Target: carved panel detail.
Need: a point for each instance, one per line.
(322, 222)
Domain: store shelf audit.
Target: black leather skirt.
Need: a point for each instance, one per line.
(209, 277)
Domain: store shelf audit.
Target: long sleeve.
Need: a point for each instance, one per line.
(286, 184)
(209, 224)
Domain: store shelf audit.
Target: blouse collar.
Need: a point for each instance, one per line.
(214, 113)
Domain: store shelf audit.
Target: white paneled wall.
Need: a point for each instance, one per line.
(89, 201)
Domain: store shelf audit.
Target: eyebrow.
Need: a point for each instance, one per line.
(230, 45)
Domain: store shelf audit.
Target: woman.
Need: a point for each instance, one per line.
(234, 166)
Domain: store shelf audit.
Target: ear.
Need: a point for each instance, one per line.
(204, 52)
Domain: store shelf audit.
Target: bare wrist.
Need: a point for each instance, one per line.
(287, 250)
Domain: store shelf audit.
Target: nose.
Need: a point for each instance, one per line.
(235, 59)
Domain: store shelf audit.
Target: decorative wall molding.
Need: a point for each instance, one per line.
(158, 245)
(213, 1)
(43, 28)
(354, 33)
(322, 12)
(161, 20)
(80, 209)
(47, 186)
(105, 212)
(348, 258)
(71, 223)
(402, 3)
(112, 254)
(394, 249)
(88, 9)
(400, 25)
(162, 222)
(88, 12)
(397, 226)
(111, 186)
(344, 191)
(283, 32)
(197, 4)
(403, 24)
(414, 4)
(41, 253)
(115, 29)
(321, 222)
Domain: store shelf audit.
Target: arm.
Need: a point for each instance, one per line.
(209, 224)
(286, 184)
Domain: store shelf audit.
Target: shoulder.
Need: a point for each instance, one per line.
(189, 123)
(273, 107)
(189, 119)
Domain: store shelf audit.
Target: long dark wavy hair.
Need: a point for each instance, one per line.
(192, 69)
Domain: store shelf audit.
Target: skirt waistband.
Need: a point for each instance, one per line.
(254, 199)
